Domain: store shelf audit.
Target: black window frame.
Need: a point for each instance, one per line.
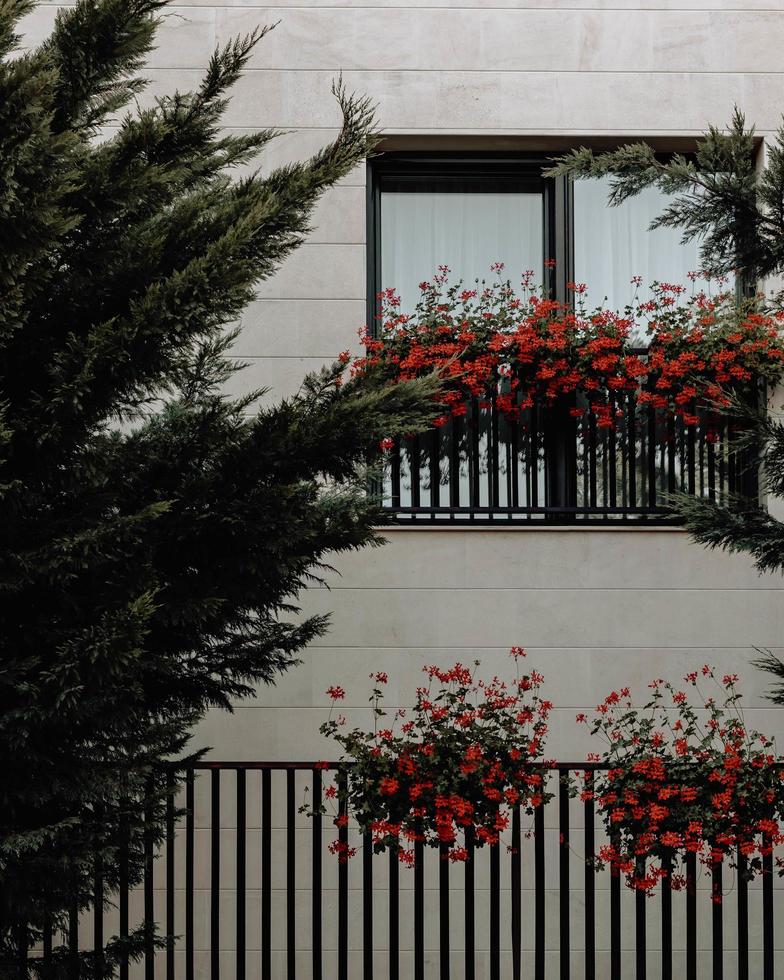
(395, 169)
(521, 169)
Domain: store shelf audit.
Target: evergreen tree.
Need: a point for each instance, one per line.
(154, 534)
(736, 210)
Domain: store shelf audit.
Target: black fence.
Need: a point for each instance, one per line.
(246, 887)
(553, 465)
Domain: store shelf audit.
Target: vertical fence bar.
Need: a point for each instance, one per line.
(73, 941)
(473, 432)
(640, 944)
(170, 883)
(123, 899)
(454, 462)
(291, 879)
(435, 468)
(419, 911)
(691, 916)
(652, 495)
(563, 874)
(495, 912)
(767, 913)
(516, 884)
(494, 468)
(342, 880)
(98, 901)
(394, 916)
(469, 912)
(718, 920)
(539, 910)
(590, 880)
(666, 919)
(394, 475)
(215, 857)
(316, 876)
(266, 875)
(743, 917)
(47, 940)
(631, 429)
(149, 911)
(367, 905)
(615, 923)
(240, 871)
(413, 456)
(189, 882)
(443, 911)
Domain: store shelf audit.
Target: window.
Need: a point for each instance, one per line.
(466, 212)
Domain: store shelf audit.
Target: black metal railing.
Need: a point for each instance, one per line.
(246, 887)
(552, 467)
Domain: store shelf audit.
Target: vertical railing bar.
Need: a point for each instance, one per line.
(592, 457)
(170, 881)
(516, 887)
(241, 871)
(149, 911)
(652, 495)
(691, 916)
(533, 455)
(394, 475)
(419, 911)
(613, 459)
(73, 938)
(413, 456)
(631, 415)
(563, 875)
(495, 912)
(615, 922)
(342, 780)
(47, 939)
(539, 909)
(394, 915)
(590, 879)
(474, 467)
(640, 938)
(711, 471)
(291, 880)
(367, 905)
(494, 436)
(123, 897)
(435, 467)
(454, 462)
(215, 856)
(98, 910)
(443, 911)
(266, 875)
(743, 916)
(768, 965)
(189, 876)
(718, 920)
(316, 876)
(514, 436)
(666, 918)
(690, 458)
(468, 908)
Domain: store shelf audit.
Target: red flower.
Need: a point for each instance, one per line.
(336, 692)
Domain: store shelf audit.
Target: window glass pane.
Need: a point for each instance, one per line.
(421, 230)
(613, 244)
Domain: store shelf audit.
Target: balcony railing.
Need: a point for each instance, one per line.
(551, 467)
(246, 888)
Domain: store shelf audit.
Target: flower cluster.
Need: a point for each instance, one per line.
(447, 770)
(520, 348)
(683, 778)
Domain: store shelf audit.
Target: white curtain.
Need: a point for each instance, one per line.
(467, 231)
(613, 244)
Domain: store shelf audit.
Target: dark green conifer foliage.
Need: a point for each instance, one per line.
(736, 210)
(154, 535)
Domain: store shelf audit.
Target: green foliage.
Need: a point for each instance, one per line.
(721, 199)
(154, 533)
